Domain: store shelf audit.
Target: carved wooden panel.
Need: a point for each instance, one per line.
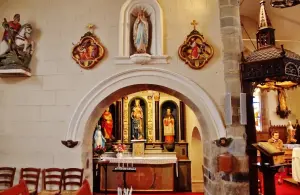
(147, 178)
(184, 180)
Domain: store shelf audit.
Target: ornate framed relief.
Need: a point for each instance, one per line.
(88, 51)
(195, 51)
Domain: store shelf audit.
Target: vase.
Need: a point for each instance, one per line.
(119, 155)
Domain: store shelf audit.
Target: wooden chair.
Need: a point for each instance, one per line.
(72, 181)
(85, 189)
(20, 189)
(31, 177)
(51, 181)
(7, 175)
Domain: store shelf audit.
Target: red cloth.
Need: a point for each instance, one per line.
(15, 26)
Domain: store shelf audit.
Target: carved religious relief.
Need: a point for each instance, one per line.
(195, 51)
(88, 51)
(16, 48)
(150, 119)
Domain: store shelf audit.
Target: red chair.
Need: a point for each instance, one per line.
(20, 189)
(7, 175)
(52, 181)
(85, 189)
(72, 181)
(31, 177)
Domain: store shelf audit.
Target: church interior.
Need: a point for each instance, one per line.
(161, 97)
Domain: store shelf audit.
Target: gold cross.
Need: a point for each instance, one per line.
(91, 27)
(194, 23)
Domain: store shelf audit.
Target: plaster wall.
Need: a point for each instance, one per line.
(35, 112)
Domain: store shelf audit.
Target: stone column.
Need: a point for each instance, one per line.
(236, 182)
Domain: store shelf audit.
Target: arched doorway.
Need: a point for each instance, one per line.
(92, 106)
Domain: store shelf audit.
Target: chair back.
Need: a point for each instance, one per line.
(52, 178)
(31, 177)
(7, 175)
(72, 178)
(85, 189)
(20, 189)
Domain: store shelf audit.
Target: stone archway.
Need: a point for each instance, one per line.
(104, 93)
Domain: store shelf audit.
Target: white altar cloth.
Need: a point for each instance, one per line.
(144, 160)
(296, 164)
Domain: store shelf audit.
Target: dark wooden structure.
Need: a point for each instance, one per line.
(266, 65)
(268, 168)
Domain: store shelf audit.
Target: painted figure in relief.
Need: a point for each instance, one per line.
(107, 124)
(141, 32)
(137, 117)
(99, 139)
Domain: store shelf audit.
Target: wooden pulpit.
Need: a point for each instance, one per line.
(138, 148)
(267, 166)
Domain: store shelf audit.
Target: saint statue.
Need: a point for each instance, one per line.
(169, 123)
(137, 117)
(141, 33)
(278, 144)
(11, 29)
(107, 124)
(291, 134)
(99, 139)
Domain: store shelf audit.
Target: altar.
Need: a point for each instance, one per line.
(153, 173)
(149, 129)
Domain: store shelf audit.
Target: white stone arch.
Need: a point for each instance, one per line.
(204, 108)
(93, 104)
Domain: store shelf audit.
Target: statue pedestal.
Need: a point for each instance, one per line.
(14, 73)
(138, 148)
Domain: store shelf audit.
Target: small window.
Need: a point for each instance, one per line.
(257, 109)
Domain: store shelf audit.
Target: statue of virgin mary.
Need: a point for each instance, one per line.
(141, 33)
(99, 139)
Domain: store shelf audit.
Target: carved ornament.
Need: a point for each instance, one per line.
(195, 51)
(88, 51)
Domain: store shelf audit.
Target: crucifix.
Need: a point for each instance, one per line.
(194, 23)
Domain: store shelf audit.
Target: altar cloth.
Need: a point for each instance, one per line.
(296, 164)
(144, 160)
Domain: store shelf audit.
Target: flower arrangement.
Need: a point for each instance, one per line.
(100, 150)
(119, 148)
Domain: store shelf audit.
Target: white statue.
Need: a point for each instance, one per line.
(141, 32)
(99, 139)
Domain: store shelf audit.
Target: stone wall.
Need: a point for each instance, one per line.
(35, 112)
(236, 182)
